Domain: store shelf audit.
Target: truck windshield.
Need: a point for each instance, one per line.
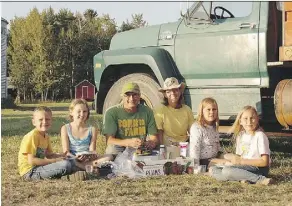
(219, 10)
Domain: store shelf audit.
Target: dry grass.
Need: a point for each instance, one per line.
(164, 190)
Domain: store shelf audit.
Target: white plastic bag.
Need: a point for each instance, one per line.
(125, 166)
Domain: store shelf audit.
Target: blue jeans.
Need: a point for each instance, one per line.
(239, 172)
(54, 170)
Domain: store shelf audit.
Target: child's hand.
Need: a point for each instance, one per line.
(69, 155)
(81, 158)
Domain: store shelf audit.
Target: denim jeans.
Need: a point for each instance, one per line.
(239, 172)
(53, 170)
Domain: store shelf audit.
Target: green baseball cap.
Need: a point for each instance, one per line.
(131, 87)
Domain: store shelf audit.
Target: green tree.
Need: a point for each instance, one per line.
(39, 37)
(64, 33)
(126, 26)
(137, 22)
(90, 15)
(49, 53)
(93, 35)
(19, 66)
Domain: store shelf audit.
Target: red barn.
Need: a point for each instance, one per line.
(85, 90)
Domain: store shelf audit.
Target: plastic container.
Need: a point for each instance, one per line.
(183, 148)
(161, 152)
(172, 152)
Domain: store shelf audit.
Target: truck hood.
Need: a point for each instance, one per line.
(141, 37)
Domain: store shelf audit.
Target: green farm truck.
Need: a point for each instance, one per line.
(238, 59)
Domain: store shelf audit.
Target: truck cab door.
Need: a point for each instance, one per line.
(223, 53)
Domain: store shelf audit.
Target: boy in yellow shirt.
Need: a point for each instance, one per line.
(36, 159)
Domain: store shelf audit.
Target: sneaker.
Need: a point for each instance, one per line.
(77, 176)
(266, 181)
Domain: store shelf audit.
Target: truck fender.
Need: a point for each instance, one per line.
(159, 60)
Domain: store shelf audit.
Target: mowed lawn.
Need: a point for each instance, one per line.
(164, 190)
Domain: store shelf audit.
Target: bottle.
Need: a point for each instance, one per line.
(161, 152)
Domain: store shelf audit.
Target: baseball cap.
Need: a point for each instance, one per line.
(131, 87)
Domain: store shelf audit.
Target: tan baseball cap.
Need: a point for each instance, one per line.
(172, 83)
(131, 87)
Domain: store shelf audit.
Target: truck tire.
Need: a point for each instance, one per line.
(283, 103)
(150, 95)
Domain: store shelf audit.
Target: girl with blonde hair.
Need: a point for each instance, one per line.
(252, 160)
(204, 135)
(79, 138)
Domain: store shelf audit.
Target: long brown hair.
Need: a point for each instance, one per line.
(200, 119)
(179, 103)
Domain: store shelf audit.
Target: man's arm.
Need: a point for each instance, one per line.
(133, 142)
(151, 142)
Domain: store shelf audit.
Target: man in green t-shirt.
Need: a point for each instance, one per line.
(126, 124)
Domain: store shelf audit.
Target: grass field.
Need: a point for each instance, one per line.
(164, 190)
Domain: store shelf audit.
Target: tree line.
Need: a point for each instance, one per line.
(49, 53)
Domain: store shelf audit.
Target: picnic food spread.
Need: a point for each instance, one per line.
(143, 151)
